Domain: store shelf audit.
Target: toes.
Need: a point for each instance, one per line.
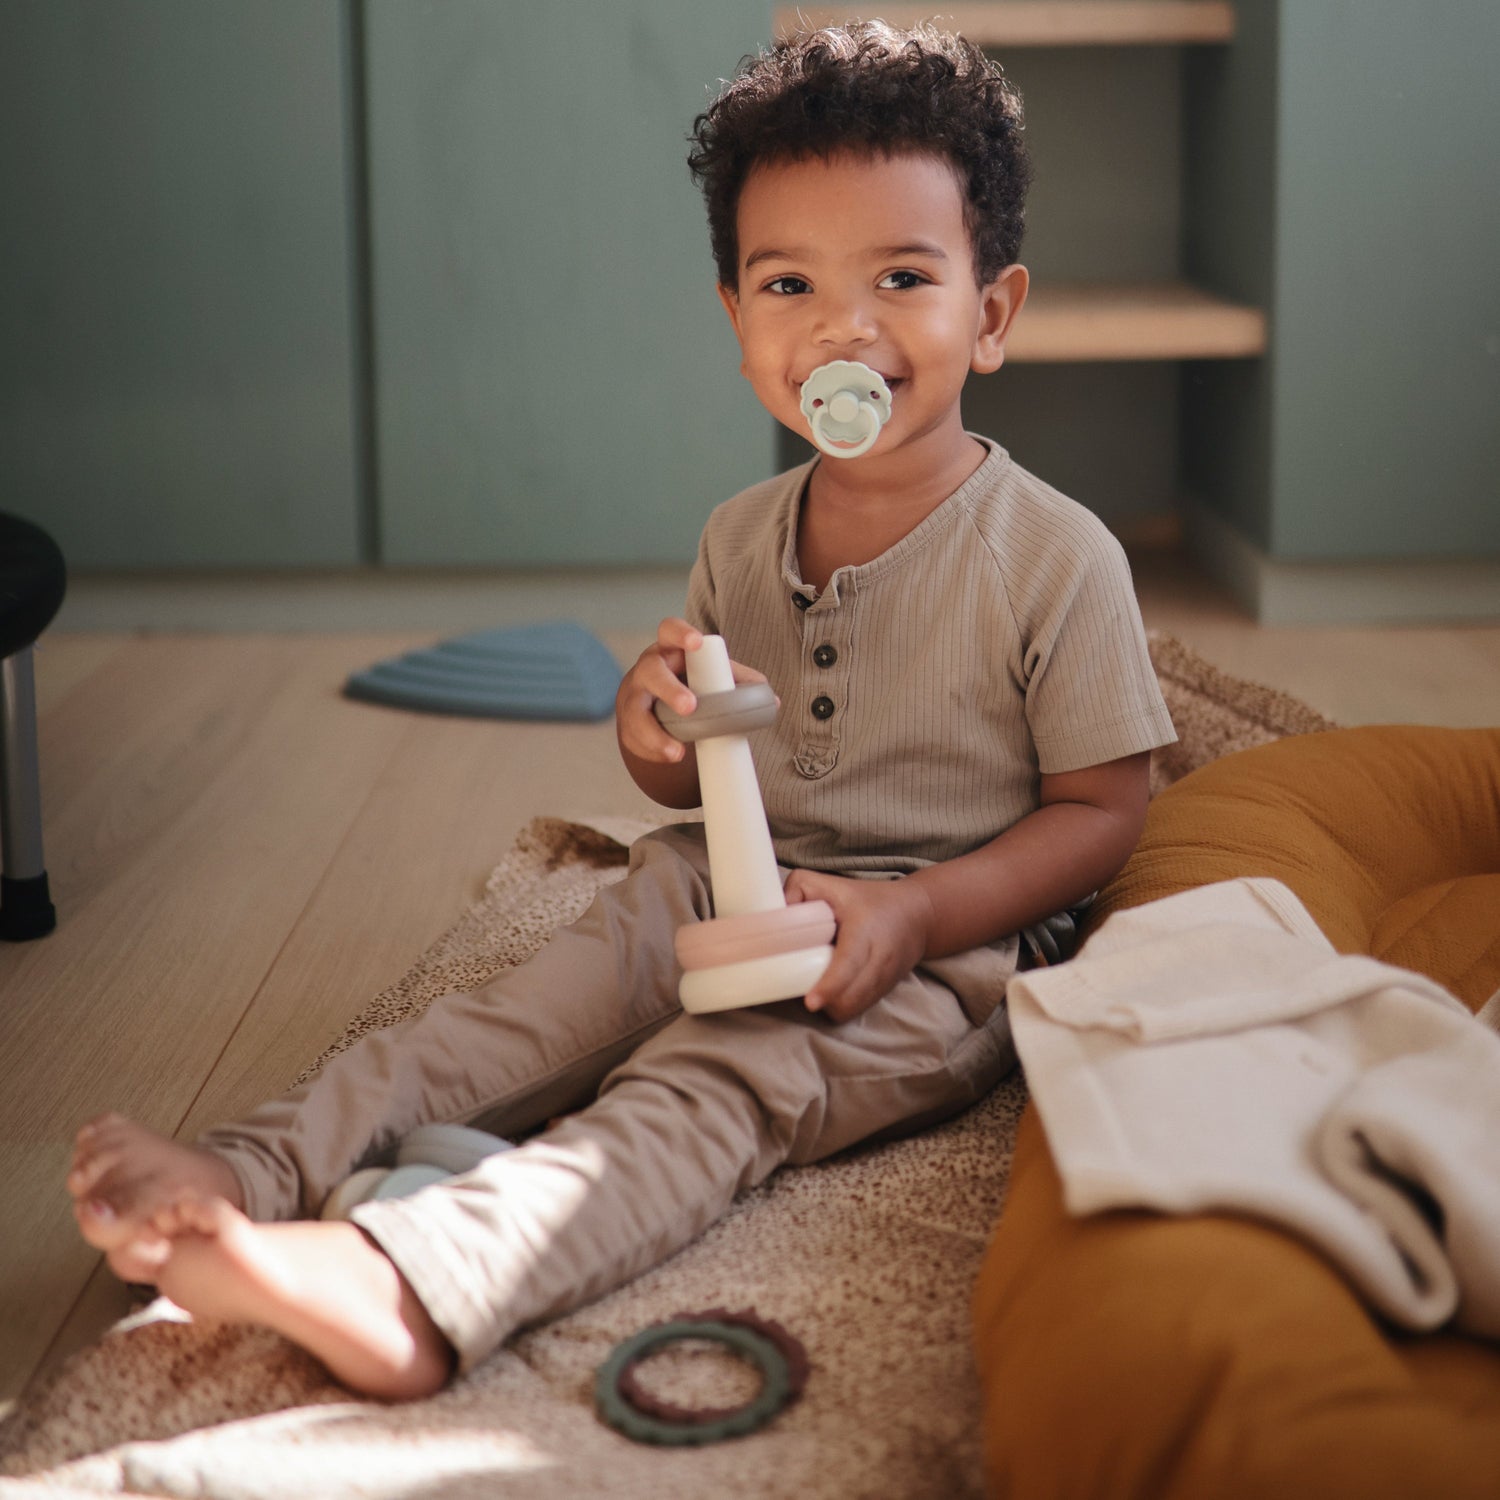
(89, 1170)
(202, 1215)
(193, 1213)
(181, 1214)
(99, 1224)
(101, 1131)
(97, 1148)
(141, 1260)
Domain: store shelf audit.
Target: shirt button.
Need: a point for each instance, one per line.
(822, 708)
(825, 656)
(801, 601)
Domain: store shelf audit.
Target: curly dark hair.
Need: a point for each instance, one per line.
(868, 87)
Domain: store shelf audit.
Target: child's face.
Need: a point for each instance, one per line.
(869, 259)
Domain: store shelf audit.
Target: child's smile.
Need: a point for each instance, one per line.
(868, 259)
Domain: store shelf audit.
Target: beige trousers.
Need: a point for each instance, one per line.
(672, 1114)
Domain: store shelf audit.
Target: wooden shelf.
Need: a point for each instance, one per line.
(1088, 322)
(1045, 23)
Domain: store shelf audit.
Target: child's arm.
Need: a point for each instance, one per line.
(1081, 835)
(664, 768)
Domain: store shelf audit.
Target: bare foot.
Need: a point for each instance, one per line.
(123, 1174)
(324, 1286)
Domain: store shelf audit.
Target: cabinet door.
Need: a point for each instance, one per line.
(555, 382)
(176, 367)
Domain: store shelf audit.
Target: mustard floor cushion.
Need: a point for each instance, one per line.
(1135, 1355)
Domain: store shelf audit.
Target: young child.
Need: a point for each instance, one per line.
(961, 754)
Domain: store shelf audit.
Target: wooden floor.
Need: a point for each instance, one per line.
(241, 858)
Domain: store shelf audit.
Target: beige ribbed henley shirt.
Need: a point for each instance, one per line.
(924, 692)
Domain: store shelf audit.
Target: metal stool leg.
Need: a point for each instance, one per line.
(26, 909)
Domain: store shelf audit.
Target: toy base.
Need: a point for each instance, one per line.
(753, 981)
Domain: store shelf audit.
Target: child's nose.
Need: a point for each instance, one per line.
(845, 321)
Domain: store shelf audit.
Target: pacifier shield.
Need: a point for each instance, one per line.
(846, 403)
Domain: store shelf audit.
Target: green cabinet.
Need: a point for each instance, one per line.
(176, 351)
(1342, 168)
(303, 283)
(555, 381)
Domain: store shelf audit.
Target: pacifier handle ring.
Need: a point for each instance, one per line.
(871, 419)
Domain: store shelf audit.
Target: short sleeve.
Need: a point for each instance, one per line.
(1091, 691)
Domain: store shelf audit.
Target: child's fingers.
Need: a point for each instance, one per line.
(658, 674)
(838, 982)
(642, 735)
(674, 634)
(663, 683)
(660, 746)
(843, 998)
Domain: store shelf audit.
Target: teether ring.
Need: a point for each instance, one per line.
(846, 404)
(755, 948)
(781, 1360)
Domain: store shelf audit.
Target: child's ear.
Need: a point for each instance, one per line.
(731, 300)
(1000, 304)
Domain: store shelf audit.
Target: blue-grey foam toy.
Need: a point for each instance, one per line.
(556, 670)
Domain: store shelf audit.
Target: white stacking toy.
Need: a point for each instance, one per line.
(756, 948)
(846, 404)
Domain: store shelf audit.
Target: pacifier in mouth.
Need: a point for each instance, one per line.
(846, 404)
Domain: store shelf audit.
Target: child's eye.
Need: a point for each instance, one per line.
(787, 286)
(902, 281)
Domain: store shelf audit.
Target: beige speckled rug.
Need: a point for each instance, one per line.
(868, 1259)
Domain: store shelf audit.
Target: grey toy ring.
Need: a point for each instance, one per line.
(750, 705)
(779, 1357)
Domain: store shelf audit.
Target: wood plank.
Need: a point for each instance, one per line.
(1444, 675)
(61, 662)
(1045, 23)
(440, 817)
(184, 840)
(1077, 321)
(101, 1304)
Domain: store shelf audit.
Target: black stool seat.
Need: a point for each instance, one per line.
(32, 582)
(33, 579)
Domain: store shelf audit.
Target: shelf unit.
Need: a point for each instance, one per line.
(1085, 322)
(1089, 322)
(1048, 23)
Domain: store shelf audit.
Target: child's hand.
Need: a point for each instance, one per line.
(657, 674)
(882, 936)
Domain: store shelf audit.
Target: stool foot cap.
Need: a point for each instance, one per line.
(26, 909)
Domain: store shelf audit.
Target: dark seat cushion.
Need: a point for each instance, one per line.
(33, 579)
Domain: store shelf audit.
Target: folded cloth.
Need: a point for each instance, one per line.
(1211, 1052)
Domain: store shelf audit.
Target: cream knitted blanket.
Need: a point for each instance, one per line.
(1210, 1052)
(868, 1259)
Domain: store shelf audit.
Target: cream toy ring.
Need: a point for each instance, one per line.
(846, 404)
